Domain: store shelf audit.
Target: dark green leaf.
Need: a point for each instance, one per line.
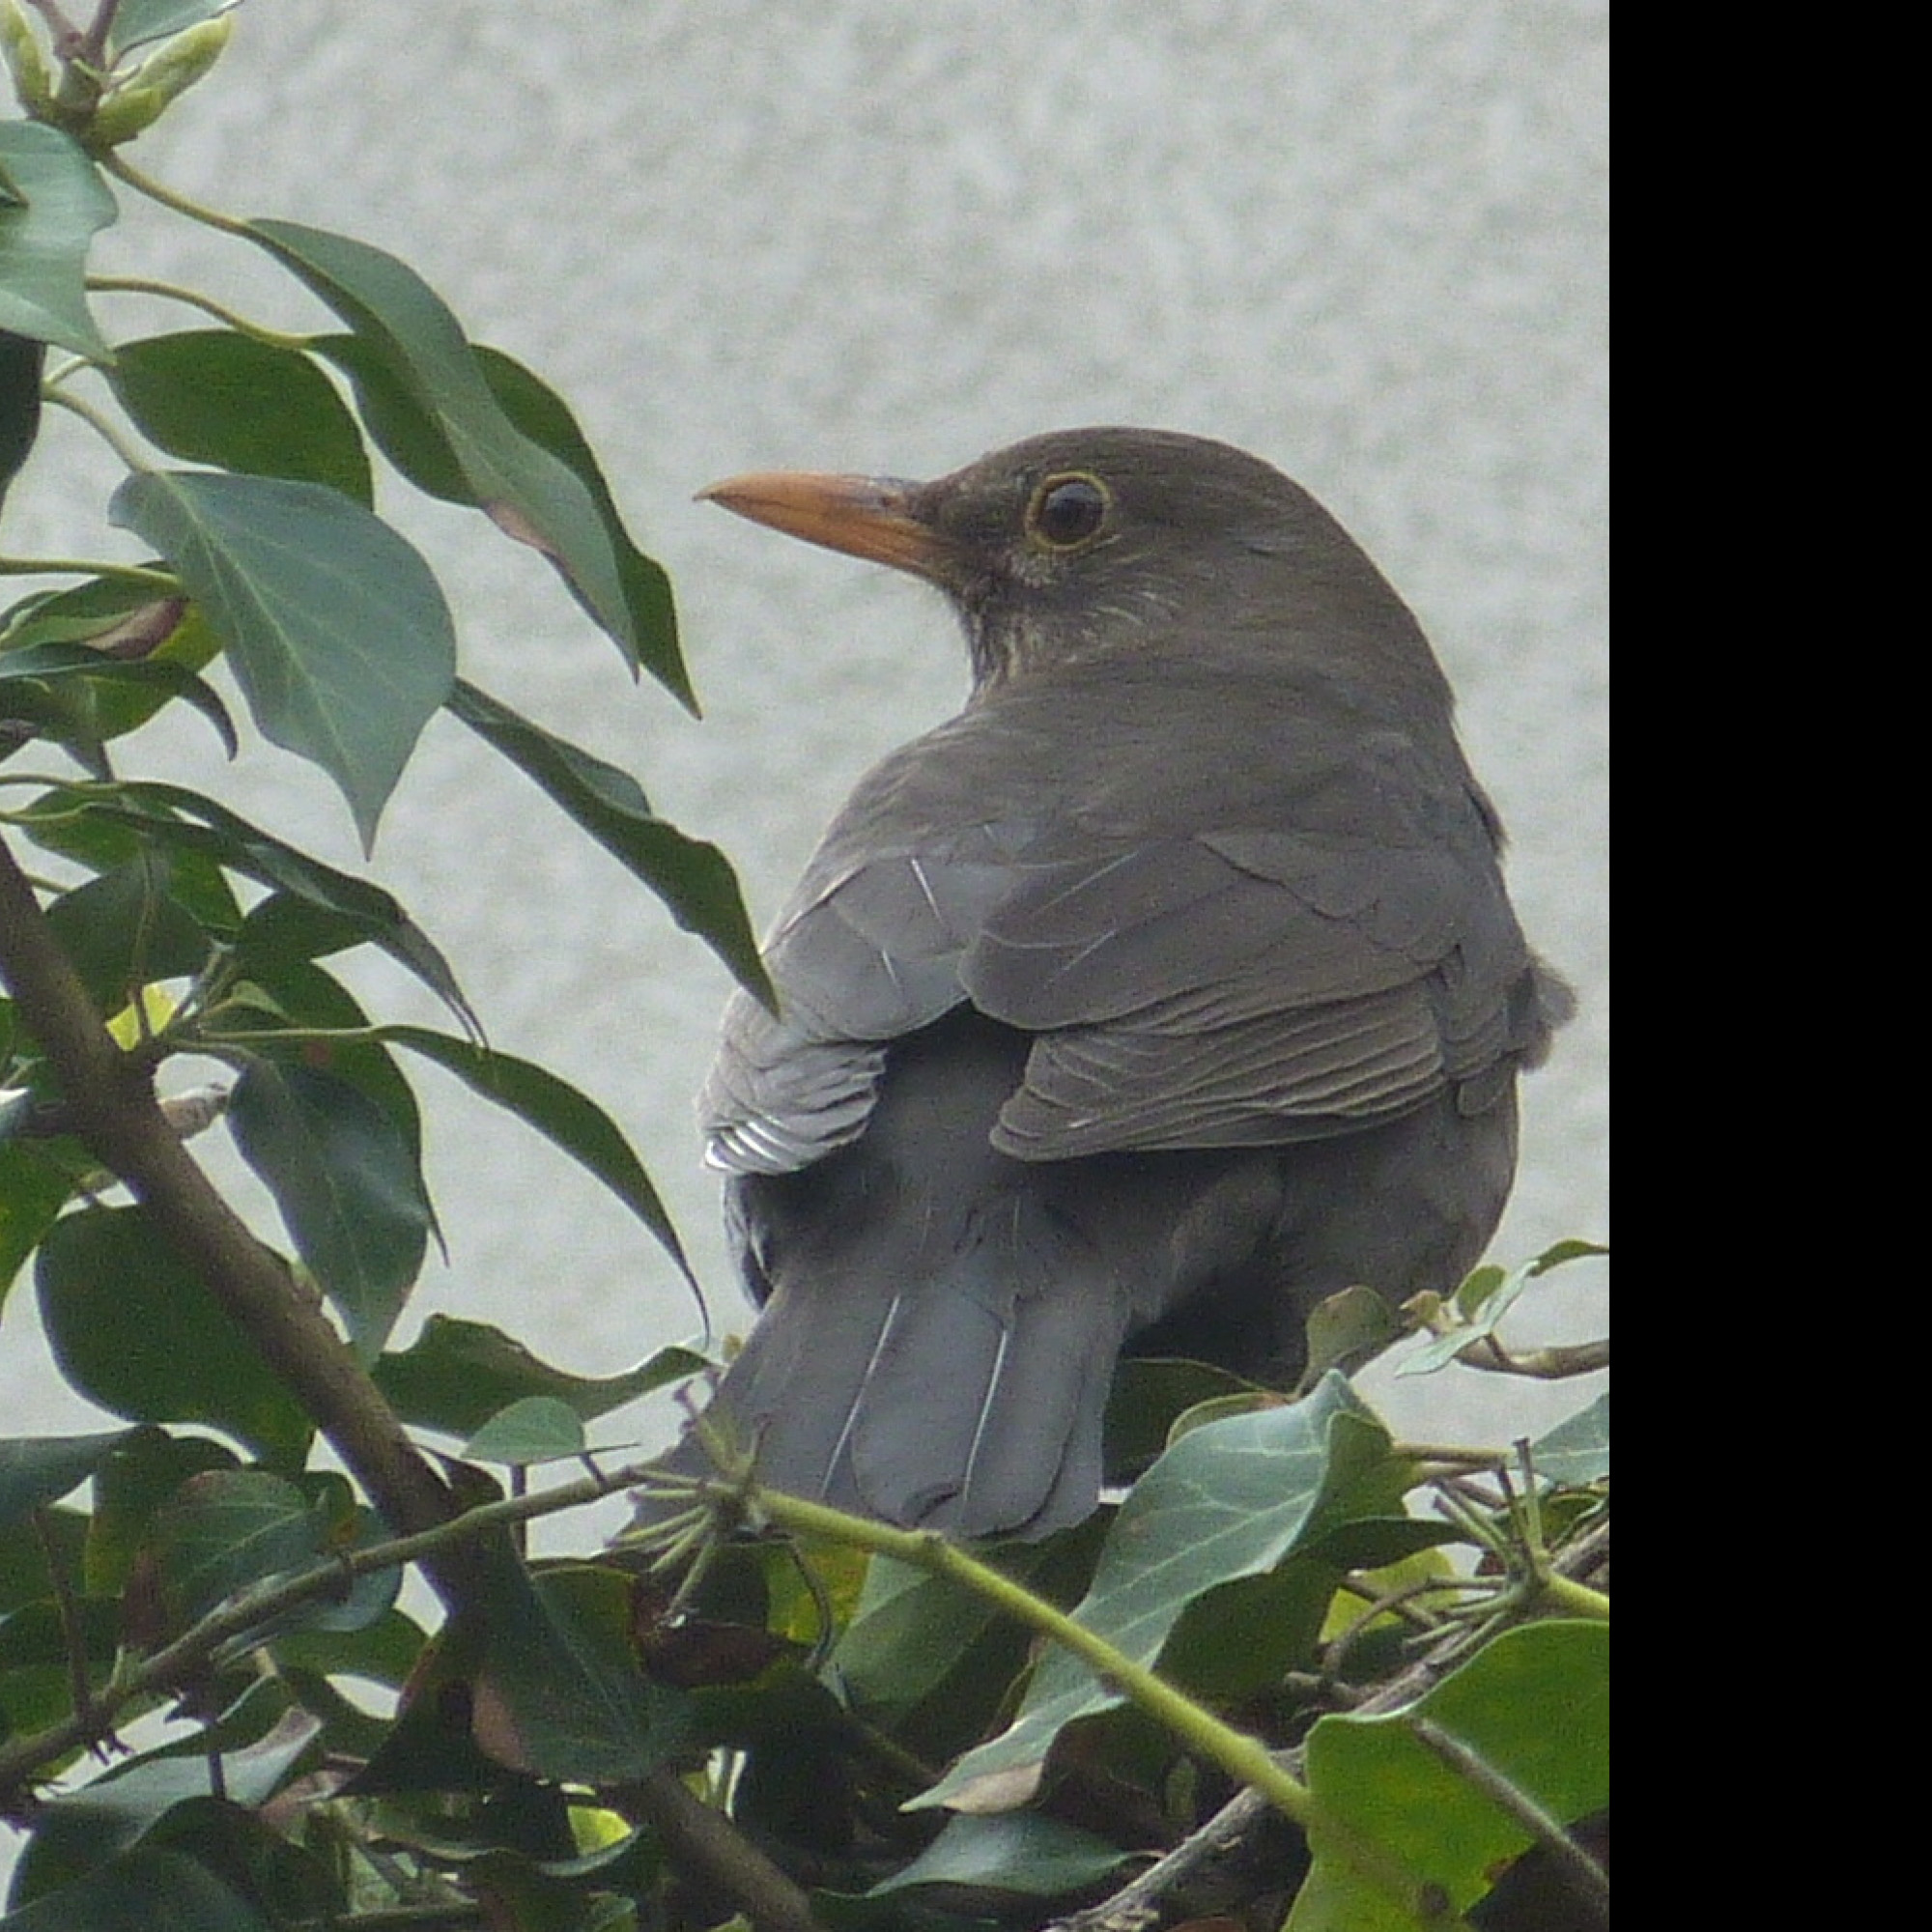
(543, 416)
(80, 677)
(1024, 1852)
(141, 1475)
(37, 1470)
(348, 1186)
(526, 489)
(136, 1331)
(534, 1429)
(214, 396)
(185, 820)
(385, 1651)
(23, 1556)
(147, 1890)
(229, 1529)
(123, 930)
(20, 361)
(456, 1375)
(1230, 1499)
(560, 1113)
(694, 879)
(32, 1190)
(1532, 1707)
(1576, 1452)
(336, 627)
(561, 1694)
(55, 202)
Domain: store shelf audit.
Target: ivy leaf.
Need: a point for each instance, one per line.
(565, 1117)
(52, 202)
(39, 1470)
(135, 1330)
(347, 1183)
(1229, 1500)
(693, 877)
(214, 396)
(457, 1374)
(530, 493)
(336, 627)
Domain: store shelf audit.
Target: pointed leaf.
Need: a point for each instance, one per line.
(37, 1470)
(521, 485)
(335, 626)
(457, 1374)
(693, 878)
(1532, 1707)
(1229, 1500)
(561, 1694)
(536, 1428)
(134, 1330)
(1028, 1854)
(149, 1889)
(1578, 1452)
(214, 396)
(347, 1185)
(137, 22)
(52, 202)
(122, 930)
(560, 1113)
(21, 363)
(90, 675)
(229, 1529)
(185, 821)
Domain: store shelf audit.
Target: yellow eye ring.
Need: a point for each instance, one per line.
(1068, 510)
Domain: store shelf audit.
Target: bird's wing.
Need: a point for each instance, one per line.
(1273, 934)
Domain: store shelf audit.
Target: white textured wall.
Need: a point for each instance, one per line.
(1363, 238)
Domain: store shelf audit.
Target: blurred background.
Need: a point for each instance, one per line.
(1364, 241)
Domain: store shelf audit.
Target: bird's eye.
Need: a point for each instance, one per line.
(1066, 511)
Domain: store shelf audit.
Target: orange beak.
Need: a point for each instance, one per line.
(864, 516)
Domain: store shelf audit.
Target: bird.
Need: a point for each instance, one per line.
(1167, 990)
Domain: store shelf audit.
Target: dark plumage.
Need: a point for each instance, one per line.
(1169, 988)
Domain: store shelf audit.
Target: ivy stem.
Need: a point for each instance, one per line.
(81, 566)
(123, 170)
(101, 425)
(1241, 1756)
(143, 285)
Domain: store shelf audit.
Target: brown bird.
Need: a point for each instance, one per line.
(1167, 990)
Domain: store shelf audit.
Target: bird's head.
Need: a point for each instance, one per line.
(1103, 544)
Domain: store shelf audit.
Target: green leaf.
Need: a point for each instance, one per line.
(228, 1529)
(21, 362)
(32, 1190)
(693, 877)
(1576, 1453)
(140, 1475)
(185, 821)
(1484, 1299)
(122, 931)
(134, 1331)
(561, 1694)
(52, 202)
(214, 396)
(1532, 1707)
(1023, 1853)
(533, 1429)
(81, 676)
(336, 627)
(457, 1374)
(565, 1117)
(139, 22)
(38, 1470)
(151, 1889)
(543, 416)
(526, 491)
(348, 1186)
(1230, 1499)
